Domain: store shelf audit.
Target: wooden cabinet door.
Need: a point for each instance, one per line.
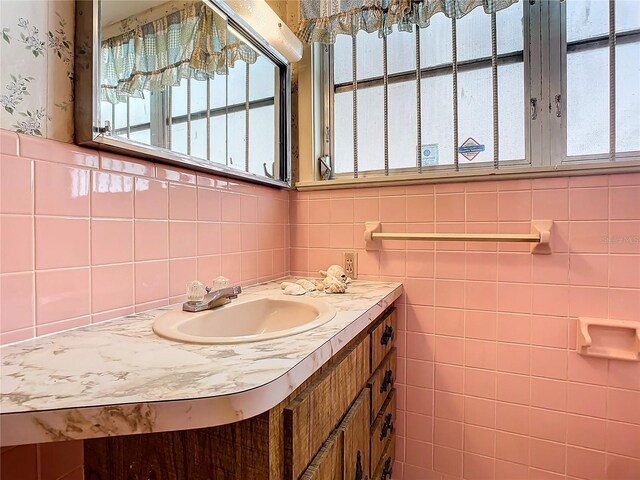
(355, 439)
(311, 417)
(345, 454)
(327, 465)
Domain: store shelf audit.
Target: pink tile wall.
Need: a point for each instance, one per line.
(489, 383)
(88, 236)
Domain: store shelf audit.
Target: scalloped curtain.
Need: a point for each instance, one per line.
(189, 43)
(322, 20)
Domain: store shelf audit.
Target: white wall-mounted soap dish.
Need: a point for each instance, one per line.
(605, 338)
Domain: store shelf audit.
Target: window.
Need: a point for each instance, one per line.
(601, 81)
(528, 86)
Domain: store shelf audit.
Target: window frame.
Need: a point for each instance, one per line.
(544, 57)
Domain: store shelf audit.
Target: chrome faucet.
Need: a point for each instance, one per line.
(213, 299)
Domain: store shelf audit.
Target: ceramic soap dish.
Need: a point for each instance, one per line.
(604, 338)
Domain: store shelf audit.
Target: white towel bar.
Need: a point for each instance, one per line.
(540, 236)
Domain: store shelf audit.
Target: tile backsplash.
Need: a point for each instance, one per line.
(87, 236)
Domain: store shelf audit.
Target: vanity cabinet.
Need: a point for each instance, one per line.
(353, 434)
(338, 425)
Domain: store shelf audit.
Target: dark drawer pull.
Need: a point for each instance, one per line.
(387, 427)
(387, 335)
(387, 471)
(387, 381)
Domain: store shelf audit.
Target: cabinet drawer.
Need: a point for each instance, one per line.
(384, 471)
(311, 417)
(383, 429)
(382, 338)
(381, 383)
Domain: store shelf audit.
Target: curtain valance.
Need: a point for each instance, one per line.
(189, 43)
(322, 20)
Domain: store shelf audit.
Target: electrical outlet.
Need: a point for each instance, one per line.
(351, 264)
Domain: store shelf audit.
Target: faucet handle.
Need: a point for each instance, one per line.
(195, 291)
(220, 283)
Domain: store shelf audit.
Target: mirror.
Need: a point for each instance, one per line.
(188, 82)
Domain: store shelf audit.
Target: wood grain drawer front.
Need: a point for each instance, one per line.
(355, 439)
(383, 429)
(345, 454)
(384, 471)
(327, 465)
(311, 417)
(382, 338)
(382, 382)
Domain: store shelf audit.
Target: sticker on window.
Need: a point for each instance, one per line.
(470, 149)
(430, 155)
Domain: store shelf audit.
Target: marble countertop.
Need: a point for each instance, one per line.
(119, 378)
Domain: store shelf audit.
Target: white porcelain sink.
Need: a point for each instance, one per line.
(245, 321)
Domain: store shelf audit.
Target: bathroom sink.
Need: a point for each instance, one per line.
(245, 321)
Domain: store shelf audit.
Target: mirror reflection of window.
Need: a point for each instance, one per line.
(262, 117)
(176, 76)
